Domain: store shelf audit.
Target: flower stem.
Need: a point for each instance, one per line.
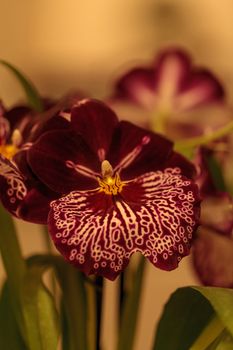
(13, 261)
(14, 264)
(210, 333)
(99, 282)
(204, 139)
(92, 317)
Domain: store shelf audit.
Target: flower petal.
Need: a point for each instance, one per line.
(12, 185)
(20, 198)
(56, 157)
(138, 86)
(171, 70)
(156, 215)
(200, 89)
(36, 205)
(96, 122)
(4, 130)
(213, 259)
(217, 213)
(136, 151)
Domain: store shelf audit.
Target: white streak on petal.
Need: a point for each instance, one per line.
(81, 169)
(131, 156)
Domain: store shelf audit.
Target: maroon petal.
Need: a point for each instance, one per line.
(135, 151)
(156, 215)
(200, 89)
(35, 206)
(13, 189)
(138, 86)
(4, 130)
(41, 126)
(213, 259)
(56, 158)
(217, 213)
(20, 198)
(96, 122)
(171, 70)
(168, 215)
(16, 114)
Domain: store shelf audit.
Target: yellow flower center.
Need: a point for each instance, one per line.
(110, 183)
(9, 150)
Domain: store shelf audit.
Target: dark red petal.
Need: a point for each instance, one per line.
(20, 198)
(49, 158)
(213, 259)
(156, 215)
(138, 86)
(176, 160)
(16, 114)
(96, 122)
(140, 150)
(41, 126)
(35, 206)
(88, 232)
(200, 89)
(4, 130)
(172, 67)
(167, 206)
(217, 213)
(13, 189)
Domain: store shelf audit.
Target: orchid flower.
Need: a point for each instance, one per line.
(120, 189)
(171, 96)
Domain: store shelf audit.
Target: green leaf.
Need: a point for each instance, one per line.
(10, 337)
(74, 300)
(183, 318)
(32, 95)
(191, 310)
(40, 315)
(221, 300)
(130, 311)
(223, 342)
(75, 305)
(13, 262)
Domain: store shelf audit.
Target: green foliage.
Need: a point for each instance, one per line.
(188, 312)
(10, 337)
(130, 311)
(31, 93)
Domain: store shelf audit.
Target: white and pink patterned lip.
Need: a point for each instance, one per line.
(16, 189)
(98, 233)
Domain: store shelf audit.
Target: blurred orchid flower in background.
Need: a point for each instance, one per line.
(213, 248)
(172, 96)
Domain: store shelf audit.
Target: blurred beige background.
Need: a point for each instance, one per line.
(85, 44)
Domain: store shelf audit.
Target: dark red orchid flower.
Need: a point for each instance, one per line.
(213, 248)
(122, 189)
(171, 96)
(21, 127)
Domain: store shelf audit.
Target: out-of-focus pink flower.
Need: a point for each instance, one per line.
(172, 95)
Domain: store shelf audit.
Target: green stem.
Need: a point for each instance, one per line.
(158, 122)
(92, 316)
(14, 264)
(131, 309)
(210, 333)
(48, 247)
(204, 139)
